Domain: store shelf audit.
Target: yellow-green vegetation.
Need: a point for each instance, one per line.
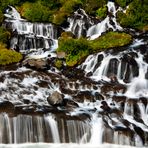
(58, 63)
(78, 49)
(136, 15)
(36, 12)
(111, 40)
(8, 56)
(102, 12)
(91, 6)
(123, 3)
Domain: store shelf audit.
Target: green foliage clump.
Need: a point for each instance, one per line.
(67, 7)
(102, 12)
(78, 49)
(91, 6)
(136, 15)
(123, 3)
(9, 56)
(36, 12)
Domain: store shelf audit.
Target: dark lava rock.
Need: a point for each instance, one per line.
(84, 95)
(55, 98)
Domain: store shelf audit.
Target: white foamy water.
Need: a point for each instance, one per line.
(96, 30)
(48, 145)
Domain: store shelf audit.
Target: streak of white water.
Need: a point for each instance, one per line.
(48, 145)
(139, 85)
(96, 30)
(97, 130)
(54, 129)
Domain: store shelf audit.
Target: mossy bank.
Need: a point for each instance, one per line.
(76, 50)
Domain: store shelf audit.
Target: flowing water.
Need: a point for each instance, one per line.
(108, 104)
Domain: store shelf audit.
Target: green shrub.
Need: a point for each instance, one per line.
(9, 56)
(123, 3)
(76, 50)
(36, 12)
(102, 12)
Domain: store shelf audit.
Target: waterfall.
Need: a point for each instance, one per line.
(96, 30)
(104, 100)
(27, 35)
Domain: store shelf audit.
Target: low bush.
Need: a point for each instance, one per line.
(8, 56)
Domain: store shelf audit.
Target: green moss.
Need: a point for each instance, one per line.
(9, 56)
(111, 40)
(58, 63)
(123, 3)
(78, 49)
(75, 49)
(90, 6)
(102, 12)
(36, 12)
(136, 15)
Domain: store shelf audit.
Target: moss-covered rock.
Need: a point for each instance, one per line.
(76, 50)
(111, 40)
(8, 56)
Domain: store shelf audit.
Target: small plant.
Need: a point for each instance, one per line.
(59, 63)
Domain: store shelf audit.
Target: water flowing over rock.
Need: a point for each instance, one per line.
(104, 100)
(108, 23)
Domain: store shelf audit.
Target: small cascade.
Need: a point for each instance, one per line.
(27, 35)
(79, 23)
(108, 23)
(27, 128)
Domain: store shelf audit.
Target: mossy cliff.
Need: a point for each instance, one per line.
(77, 49)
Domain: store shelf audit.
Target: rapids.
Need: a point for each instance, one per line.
(105, 99)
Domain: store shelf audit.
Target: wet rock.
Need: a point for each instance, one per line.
(84, 95)
(35, 63)
(112, 67)
(55, 98)
(61, 55)
(105, 107)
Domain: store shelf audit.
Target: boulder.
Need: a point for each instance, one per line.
(35, 63)
(55, 98)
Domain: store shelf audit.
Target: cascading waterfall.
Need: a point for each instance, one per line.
(96, 30)
(27, 35)
(110, 105)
